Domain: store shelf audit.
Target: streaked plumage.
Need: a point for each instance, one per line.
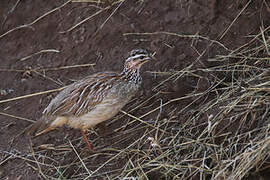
(93, 99)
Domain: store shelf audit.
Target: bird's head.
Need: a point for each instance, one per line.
(137, 58)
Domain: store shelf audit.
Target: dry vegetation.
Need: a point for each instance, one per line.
(207, 148)
(225, 136)
(232, 140)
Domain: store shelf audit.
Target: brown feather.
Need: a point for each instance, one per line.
(72, 99)
(93, 99)
(75, 100)
(35, 128)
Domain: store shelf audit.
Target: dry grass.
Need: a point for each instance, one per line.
(225, 137)
(233, 138)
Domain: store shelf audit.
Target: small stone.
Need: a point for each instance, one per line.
(4, 92)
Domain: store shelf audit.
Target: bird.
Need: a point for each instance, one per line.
(93, 99)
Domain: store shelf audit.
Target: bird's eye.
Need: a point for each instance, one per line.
(141, 57)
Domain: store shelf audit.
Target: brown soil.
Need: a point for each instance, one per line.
(104, 41)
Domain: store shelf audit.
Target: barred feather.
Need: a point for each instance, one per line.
(94, 94)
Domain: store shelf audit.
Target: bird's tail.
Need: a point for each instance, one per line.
(39, 127)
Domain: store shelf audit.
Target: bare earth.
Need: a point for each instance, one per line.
(46, 54)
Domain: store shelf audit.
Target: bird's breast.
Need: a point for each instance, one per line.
(123, 91)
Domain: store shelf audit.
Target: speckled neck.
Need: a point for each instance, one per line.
(132, 75)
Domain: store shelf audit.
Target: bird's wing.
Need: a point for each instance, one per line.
(80, 97)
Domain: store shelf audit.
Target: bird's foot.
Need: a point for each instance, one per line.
(89, 146)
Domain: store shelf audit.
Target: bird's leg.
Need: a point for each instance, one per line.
(89, 146)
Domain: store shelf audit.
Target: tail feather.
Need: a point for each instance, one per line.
(39, 127)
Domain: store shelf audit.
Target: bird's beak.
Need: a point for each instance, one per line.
(151, 57)
(146, 59)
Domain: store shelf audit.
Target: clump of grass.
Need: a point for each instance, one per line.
(226, 137)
